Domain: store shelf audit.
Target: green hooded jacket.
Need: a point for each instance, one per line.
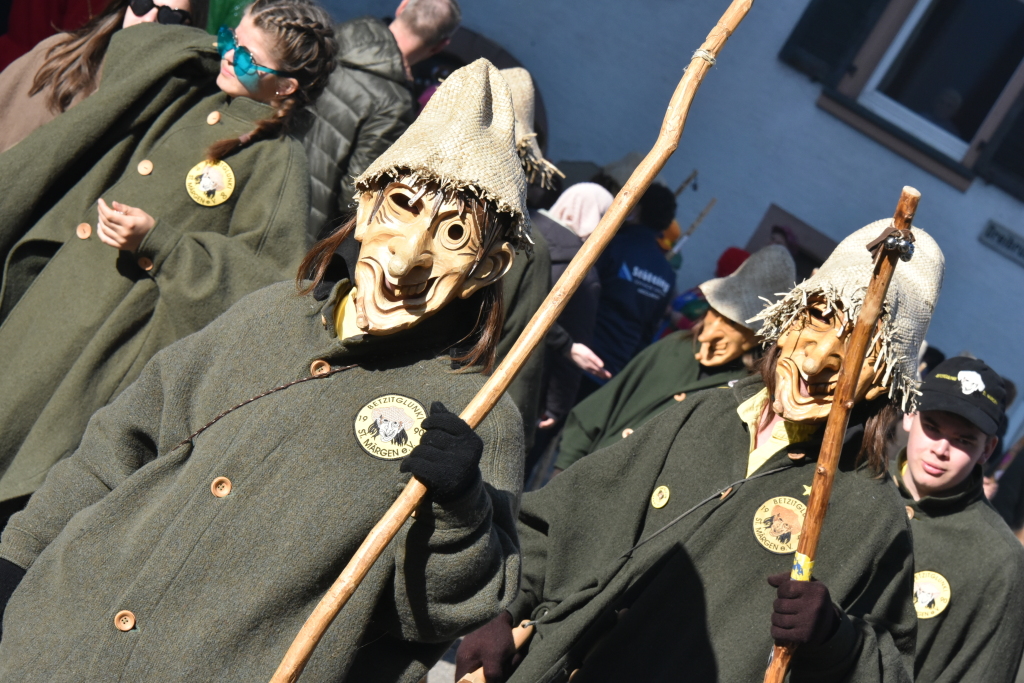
(647, 385)
(693, 603)
(220, 548)
(79, 319)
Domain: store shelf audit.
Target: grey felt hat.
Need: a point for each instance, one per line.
(464, 140)
(843, 279)
(538, 169)
(759, 280)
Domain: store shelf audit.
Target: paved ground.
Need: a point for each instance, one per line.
(444, 671)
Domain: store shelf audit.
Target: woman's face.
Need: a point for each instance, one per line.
(131, 18)
(270, 88)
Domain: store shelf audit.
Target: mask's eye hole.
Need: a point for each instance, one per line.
(454, 235)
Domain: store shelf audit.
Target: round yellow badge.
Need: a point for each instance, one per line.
(388, 427)
(659, 498)
(931, 594)
(210, 184)
(778, 523)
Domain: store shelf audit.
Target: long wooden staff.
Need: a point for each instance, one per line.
(835, 429)
(381, 534)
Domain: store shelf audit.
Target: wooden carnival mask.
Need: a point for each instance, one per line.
(812, 350)
(418, 252)
(722, 340)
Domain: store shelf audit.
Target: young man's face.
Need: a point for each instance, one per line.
(942, 449)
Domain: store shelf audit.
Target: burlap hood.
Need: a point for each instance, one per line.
(909, 303)
(538, 169)
(464, 140)
(741, 295)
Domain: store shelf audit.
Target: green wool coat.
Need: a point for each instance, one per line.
(220, 585)
(80, 319)
(979, 634)
(697, 602)
(645, 387)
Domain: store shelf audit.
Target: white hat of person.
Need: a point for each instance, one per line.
(741, 295)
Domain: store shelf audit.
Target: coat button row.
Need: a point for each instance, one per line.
(319, 367)
(145, 263)
(221, 487)
(145, 167)
(214, 118)
(84, 230)
(124, 620)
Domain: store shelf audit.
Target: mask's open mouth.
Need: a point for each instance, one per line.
(398, 293)
(820, 389)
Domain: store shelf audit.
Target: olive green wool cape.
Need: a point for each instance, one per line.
(78, 318)
(644, 388)
(219, 585)
(979, 634)
(696, 600)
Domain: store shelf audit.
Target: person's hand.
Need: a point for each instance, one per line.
(491, 647)
(122, 226)
(588, 361)
(447, 460)
(547, 421)
(804, 614)
(990, 486)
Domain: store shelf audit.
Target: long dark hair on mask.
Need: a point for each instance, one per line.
(491, 316)
(73, 64)
(877, 416)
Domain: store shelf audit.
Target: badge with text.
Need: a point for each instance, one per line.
(210, 184)
(778, 523)
(931, 594)
(388, 427)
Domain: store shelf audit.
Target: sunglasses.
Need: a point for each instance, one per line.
(247, 70)
(165, 15)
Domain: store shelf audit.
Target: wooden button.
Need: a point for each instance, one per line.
(573, 674)
(319, 367)
(725, 493)
(124, 620)
(83, 231)
(145, 263)
(659, 498)
(680, 396)
(910, 512)
(214, 118)
(145, 167)
(797, 456)
(626, 432)
(221, 487)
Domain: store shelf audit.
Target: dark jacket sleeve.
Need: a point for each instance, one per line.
(201, 274)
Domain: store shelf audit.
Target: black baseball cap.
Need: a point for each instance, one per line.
(968, 388)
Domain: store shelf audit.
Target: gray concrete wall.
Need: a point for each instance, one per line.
(607, 69)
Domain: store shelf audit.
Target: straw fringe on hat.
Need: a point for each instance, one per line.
(843, 279)
(740, 296)
(538, 169)
(464, 141)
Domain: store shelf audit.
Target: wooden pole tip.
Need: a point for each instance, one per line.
(912, 191)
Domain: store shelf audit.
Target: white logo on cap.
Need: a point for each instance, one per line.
(970, 381)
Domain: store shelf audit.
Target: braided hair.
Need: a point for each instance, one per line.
(305, 47)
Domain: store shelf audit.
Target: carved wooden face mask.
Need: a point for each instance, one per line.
(812, 352)
(722, 341)
(416, 256)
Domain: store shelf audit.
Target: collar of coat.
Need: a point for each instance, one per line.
(968, 492)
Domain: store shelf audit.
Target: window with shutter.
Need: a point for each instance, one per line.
(828, 36)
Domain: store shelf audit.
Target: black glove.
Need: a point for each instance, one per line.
(491, 647)
(10, 576)
(804, 613)
(447, 460)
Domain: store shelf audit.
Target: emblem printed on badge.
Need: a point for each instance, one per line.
(388, 427)
(210, 184)
(931, 594)
(778, 523)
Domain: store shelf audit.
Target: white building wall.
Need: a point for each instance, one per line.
(607, 68)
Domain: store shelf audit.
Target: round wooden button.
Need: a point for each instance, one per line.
(124, 620)
(659, 498)
(145, 167)
(145, 263)
(626, 432)
(725, 493)
(83, 231)
(221, 487)
(319, 367)
(214, 118)
(910, 512)
(680, 396)
(572, 676)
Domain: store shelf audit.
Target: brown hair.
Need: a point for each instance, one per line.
(72, 65)
(878, 417)
(491, 310)
(305, 48)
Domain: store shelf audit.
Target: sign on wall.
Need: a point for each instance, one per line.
(1003, 240)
